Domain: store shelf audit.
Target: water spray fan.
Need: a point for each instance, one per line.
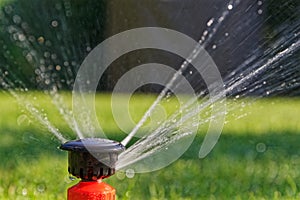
(92, 160)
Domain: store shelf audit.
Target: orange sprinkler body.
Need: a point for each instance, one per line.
(92, 159)
(91, 190)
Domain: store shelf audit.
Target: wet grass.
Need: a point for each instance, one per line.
(257, 156)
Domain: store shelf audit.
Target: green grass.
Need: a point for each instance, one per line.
(257, 156)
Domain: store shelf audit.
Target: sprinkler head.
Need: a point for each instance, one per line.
(92, 158)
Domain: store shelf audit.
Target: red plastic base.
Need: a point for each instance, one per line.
(94, 190)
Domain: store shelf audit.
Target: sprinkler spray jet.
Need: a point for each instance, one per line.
(92, 159)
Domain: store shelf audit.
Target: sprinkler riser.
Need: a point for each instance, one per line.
(83, 165)
(91, 190)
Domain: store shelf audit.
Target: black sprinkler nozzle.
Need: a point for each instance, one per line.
(92, 158)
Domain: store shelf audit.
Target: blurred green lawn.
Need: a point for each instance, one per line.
(257, 156)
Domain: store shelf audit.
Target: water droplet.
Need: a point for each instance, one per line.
(21, 37)
(260, 11)
(214, 46)
(210, 22)
(31, 38)
(69, 13)
(88, 49)
(47, 54)
(8, 9)
(54, 23)
(24, 192)
(41, 39)
(130, 173)
(28, 57)
(128, 194)
(226, 34)
(259, 3)
(22, 119)
(191, 72)
(221, 19)
(50, 67)
(261, 147)
(58, 6)
(66, 63)
(15, 36)
(17, 19)
(48, 43)
(41, 188)
(230, 7)
(58, 67)
(53, 56)
(42, 61)
(264, 82)
(120, 175)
